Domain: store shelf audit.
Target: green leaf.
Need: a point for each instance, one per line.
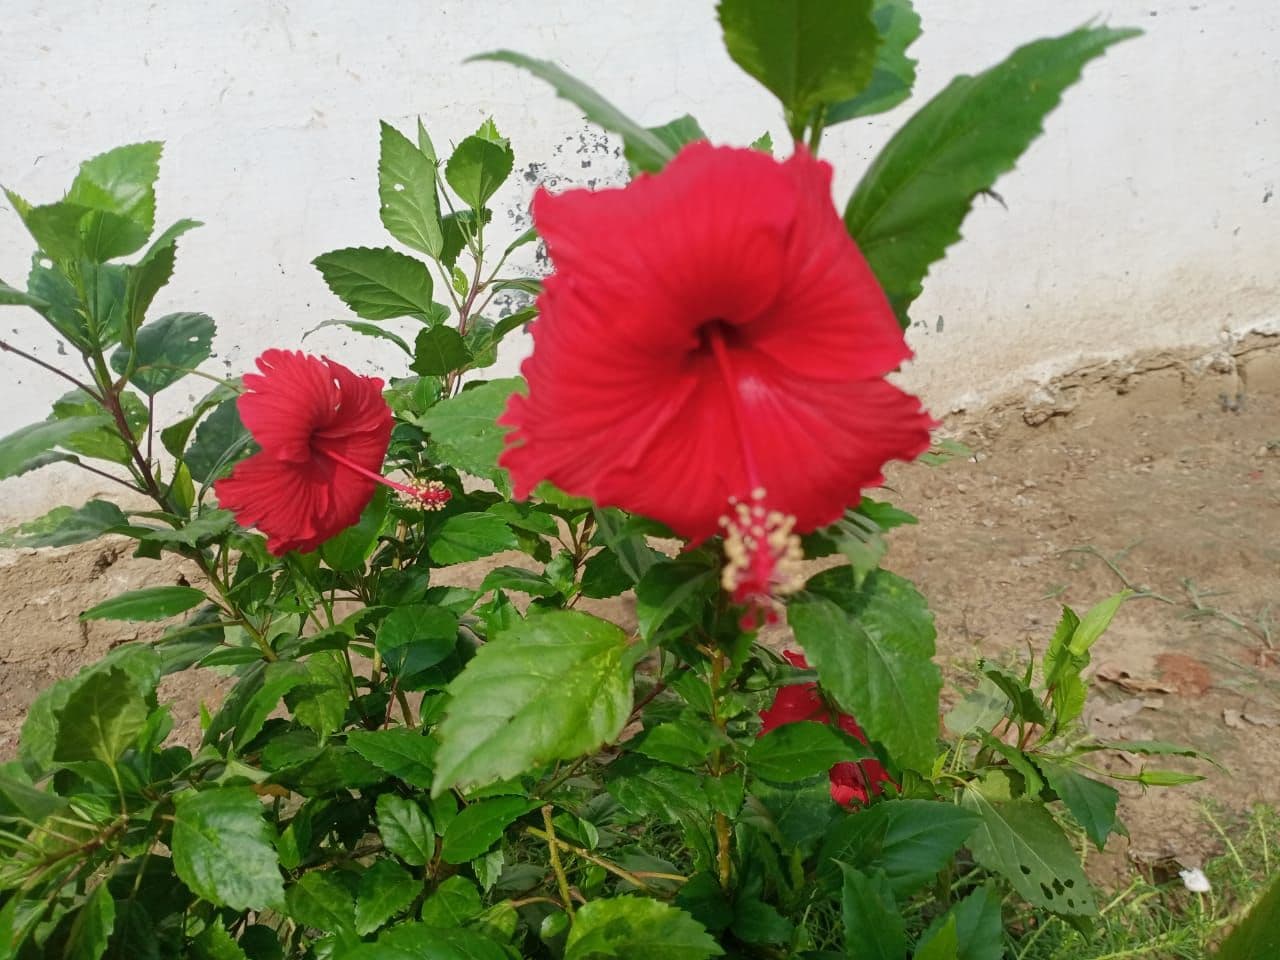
(278, 678)
(670, 595)
(454, 903)
(909, 841)
(470, 536)
(221, 439)
(222, 849)
(646, 149)
(942, 943)
(406, 830)
(215, 943)
(797, 751)
(438, 351)
(320, 901)
(351, 549)
(808, 53)
(26, 449)
(553, 687)
(1093, 804)
(121, 181)
(152, 271)
(415, 637)
(477, 168)
(320, 701)
(1020, 840)
(385, 889)
(479, 826)
(417, 941)
(632, 927)
(107, 712)
(378, 283)
(873, 926)
(465, 427)
(1258, 934)
(403, 753)
(873, 650)
(685, 742)
(102, 442)
(979, 927)
(63, 526)
(407, 192)
(92, 926)
(166, 350)
(149, 603)
(675, 134)
(894, 73)
(365, 330)
(909, 205)
(1094, 623)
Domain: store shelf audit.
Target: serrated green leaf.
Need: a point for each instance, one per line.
(152, 271)
(407, 192)
(477, 168)
(365, 330)
(107, 712)
(403, 753)
(63, 526)
(385, 889)
(320, 701)
(121, 181)
(470, 536)
(894, 73)
(92, 926)
(465, 427)
(552, 687)
(406, 830)
(979, 926)
(438, 351)
(909, 841)
(149, 603)
(873, 649)
(797, 751)
(415, 637)
(479, 826)
(1020, 840)
(909, 205)
(318, 900)
(166, 350)
(807, 53)
(1092, 803)
(874, 928)
(648, 150)
(675, 134)
(452, 904)
(222, 849)
(221, 439)
(378, 283)
(349, 550)
(941, 943)
(634, 927)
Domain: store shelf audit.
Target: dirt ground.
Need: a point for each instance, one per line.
(1162, 474)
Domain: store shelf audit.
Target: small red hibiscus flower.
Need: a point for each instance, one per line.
(710, 352)
(324, 432)
(852, 782)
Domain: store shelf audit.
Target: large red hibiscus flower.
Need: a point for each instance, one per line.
(324, 432)
(852, 782)
(711, 351)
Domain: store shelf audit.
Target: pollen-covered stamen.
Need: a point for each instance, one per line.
(762, 557)
(427, 494)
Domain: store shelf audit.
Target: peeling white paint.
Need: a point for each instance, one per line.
(1146, 218)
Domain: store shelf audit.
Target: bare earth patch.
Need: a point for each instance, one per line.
(1162, 475)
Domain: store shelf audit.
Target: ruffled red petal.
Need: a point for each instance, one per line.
(300, 409)
(629, 405)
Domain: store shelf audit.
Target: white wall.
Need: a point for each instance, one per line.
(1143, 219)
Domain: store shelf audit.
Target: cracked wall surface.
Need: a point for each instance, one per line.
(1146, 219)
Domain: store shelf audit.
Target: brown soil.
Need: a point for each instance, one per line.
(1163, 475)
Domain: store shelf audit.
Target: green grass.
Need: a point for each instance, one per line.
(1165, 921)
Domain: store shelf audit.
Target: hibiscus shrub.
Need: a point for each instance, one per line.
(403, 767)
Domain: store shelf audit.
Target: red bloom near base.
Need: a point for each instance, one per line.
(710, 352)
(324, 432)
(854, 782)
